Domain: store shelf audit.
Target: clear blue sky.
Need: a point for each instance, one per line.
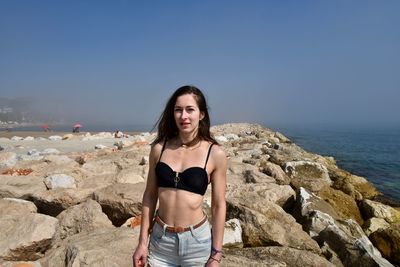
(272, 62)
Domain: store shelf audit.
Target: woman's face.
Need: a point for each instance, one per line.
(187, 113)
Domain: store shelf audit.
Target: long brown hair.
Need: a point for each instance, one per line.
(167, 128)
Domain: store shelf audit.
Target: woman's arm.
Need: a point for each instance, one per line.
(218, 203)
(149, 203)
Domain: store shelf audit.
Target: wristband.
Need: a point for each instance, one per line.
(216, 251)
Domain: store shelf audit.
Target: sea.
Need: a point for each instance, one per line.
(372, 152)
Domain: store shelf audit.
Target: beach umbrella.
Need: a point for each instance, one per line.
(77, 125)
(45, 126)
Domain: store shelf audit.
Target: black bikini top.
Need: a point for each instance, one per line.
(193, 179)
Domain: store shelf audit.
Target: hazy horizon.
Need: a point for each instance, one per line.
(274, 63)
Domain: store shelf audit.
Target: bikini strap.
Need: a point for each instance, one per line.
(208, 155)
(162, 150)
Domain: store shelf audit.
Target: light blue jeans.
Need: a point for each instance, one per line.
(190, 248)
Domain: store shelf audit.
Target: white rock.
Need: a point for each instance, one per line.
(100, 146)
(59, 181)
(221, 139)
(50, 151)
(55, 138)
(233, 234)
(16, 138)
(29, 138)
(33, 152)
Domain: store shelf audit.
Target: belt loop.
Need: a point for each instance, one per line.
(192, 230)
(164, 228)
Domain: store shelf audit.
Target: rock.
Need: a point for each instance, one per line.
(353, 185)
(20, 186)
(55, 138)
(272, 256)
(15, 206)
(344, 205)
(310, 175)
(7, 159)
(120, 201)
(58, 159)
(267, 224)
(103, 247)
(129, 176)
(313, 213)
(373, 224)
(233, 234)
(33, 152)
(81, 218)
(67, 137)
(17, 138)
(101, 166)
(276, 172)
(352, 246)
(221, 139)
(345, 238)
(50, 151)
(371, 209)
(20, 263)
(25, 238)
(282, 138)
(282, 195)
(231, 137)
(388, 242)
(29, 138)
(53, 202)
(100, 146)
(59, 181)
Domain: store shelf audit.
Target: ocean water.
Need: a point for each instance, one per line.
(370, 152)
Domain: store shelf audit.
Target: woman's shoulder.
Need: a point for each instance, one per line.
(217, 152)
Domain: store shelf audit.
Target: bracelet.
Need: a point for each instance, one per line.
(214, 259)
(216, 251)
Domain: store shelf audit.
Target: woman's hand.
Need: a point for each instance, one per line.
(140, 256)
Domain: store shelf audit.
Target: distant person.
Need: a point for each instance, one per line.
(183, 160)
(75, 129)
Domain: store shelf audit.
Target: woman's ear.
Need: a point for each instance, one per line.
(202, 115)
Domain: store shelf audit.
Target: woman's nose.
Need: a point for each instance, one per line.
(184, 114)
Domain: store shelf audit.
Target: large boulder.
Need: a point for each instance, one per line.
(59, 181)
(120, 201)
(233, 234)
(26, 237)
(111, 247)
(373, 224)
(276, 172)
(345, 238)
(388, 242)
(344, 205)
(273, 256)
(84, 217)
(16, 206)
(370, 208)
(267, 224)
(53, 202)
(355, 186)
(20, 186)
(310, 175)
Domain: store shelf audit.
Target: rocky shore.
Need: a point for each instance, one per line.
(75, 200)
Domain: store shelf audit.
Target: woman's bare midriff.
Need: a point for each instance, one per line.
(179, 207)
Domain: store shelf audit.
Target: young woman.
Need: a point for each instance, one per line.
(183, 160)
